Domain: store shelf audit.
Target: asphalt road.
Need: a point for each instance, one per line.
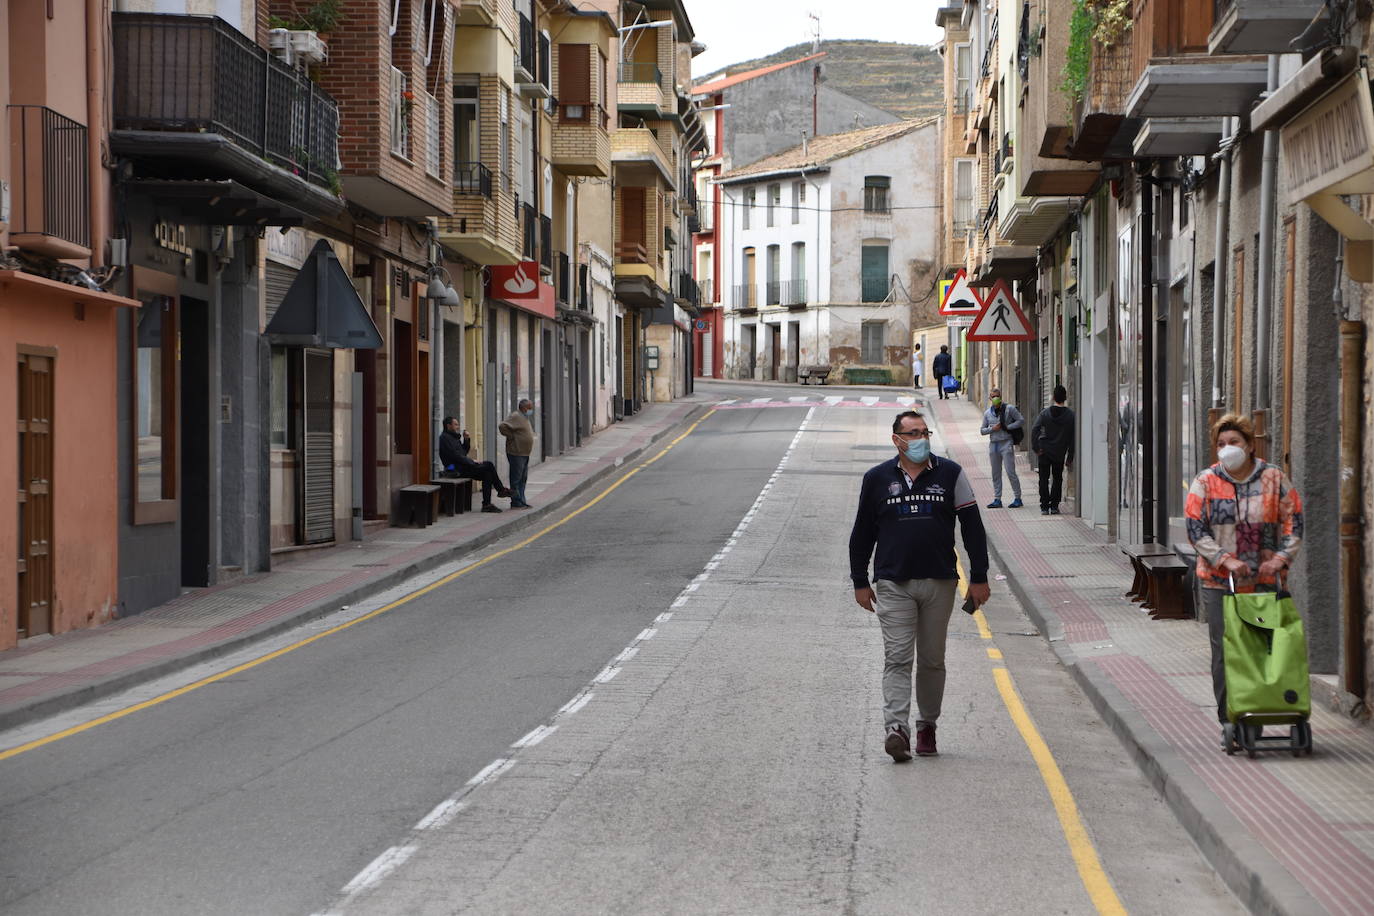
(733, 764)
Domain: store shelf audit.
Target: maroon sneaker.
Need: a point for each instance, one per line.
(925, 741)
(898, 744)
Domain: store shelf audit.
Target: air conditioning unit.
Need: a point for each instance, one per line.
(279, 42)
(308, 47)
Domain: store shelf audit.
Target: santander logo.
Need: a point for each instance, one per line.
(520, 284)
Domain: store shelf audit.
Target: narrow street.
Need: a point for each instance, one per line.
(668, 703)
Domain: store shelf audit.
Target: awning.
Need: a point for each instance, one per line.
(219, 203)
(322, 309)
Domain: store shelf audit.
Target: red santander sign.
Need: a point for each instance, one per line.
(519, 284)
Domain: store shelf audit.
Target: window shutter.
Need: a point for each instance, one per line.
(574, 75)
(874, 267)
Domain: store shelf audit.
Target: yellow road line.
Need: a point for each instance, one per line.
(203, 682)
(1090, 871)
(1095, 880)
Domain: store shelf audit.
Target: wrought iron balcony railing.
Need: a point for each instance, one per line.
(794, 292)
(772, 292)
(528, 54)
(706, 292)
(546, 242)
(51, 175)
(746, 296)
(562, 275)
(687, 289)
(472, 178)
(529, 224)
(198, 74)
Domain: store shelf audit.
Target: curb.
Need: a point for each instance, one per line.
(115, 683)
(1258, 880)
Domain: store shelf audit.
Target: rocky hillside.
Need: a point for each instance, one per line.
(906, 80)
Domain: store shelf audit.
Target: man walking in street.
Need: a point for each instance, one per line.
(519, 443)
(907, 508)
(453, 453)
(1052, 437)
(1004, 426)
(942, 365)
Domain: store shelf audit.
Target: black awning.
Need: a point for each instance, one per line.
(219, 203)
(322, 309)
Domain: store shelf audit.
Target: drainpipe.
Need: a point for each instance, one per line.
(1147, 359)
(1221, 261)
(95, 128)
(1264, 306)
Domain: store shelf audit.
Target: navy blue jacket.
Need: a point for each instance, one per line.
(913, 527)
(943, 365)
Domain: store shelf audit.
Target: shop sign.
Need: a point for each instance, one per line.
(519, 284)
(1329, 148)
(172, 236)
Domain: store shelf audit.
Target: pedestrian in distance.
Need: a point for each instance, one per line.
(1244, 519)
(1004, 426)
(519, 443)
(918, 365)
(908, 507)
(453, 454)
(1052, 437)
(942, 366)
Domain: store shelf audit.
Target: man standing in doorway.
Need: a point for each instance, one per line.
(453, 452)
(519, 443)
(1004, 426)
(907, 508)
(942, 366)
(1052, 437)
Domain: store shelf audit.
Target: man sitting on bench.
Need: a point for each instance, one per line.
(453, 452)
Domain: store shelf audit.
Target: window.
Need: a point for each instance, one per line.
(281, 399)
(963, 193)
(575, 82)
(963, 76)
(876, 189)
(874, 272)
(871, 342)
(774, 269)
(503, 114)
(798, 198)
(748, 207)
(796, 291)
(467, 149)
(155, 398)
(774, 201)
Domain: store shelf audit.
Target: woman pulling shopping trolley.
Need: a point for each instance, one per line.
(1245, 522)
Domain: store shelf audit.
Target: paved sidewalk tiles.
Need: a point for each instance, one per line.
(1287, 834)
(51, 674)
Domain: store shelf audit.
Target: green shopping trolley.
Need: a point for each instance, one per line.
(1265, 655)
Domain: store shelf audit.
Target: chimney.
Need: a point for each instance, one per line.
(805, 146)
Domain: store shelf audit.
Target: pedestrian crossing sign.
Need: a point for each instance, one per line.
(958, 298)
(1001, 318)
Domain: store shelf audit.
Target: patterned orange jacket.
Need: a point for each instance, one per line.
(1253, 520)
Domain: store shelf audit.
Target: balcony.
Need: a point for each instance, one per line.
(638, 156)
(641, 91)
(478, 13)
(772, 292)
(706, 292)
(794, 294)
(546, 243)
(434, 128)
(1260, 26)
(192, 90)
(526, 63)
(471, 178)
(581, 143)
(687, 293)
(50, 209)
(529, 231)
(631, 253)
(745, 297)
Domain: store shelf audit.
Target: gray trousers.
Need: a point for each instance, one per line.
(914, 616)
(1003, 455)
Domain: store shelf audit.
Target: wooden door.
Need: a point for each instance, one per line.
(35, 441)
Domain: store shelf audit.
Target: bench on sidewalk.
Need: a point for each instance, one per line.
(455, 494)
(1136, 553)
(1167, 597)
(819, 373)
(419, 506)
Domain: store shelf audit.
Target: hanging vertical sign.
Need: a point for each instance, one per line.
(1001, 318)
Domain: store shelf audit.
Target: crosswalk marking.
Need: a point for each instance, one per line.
(868, 402)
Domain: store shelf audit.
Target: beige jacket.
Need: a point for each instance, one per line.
(519, 434)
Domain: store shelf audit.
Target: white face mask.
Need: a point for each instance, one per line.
(1232, 457)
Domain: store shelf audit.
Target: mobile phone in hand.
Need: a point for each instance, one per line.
(969, 606)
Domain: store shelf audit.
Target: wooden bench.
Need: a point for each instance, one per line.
(456, 494)
(1167, 596)
(1137, 553)
(819, 373)
(419, 505)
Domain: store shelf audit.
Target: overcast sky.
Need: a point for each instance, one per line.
(738, 30)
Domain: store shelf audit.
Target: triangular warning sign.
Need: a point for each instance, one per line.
(960, 299)
(1001, 318)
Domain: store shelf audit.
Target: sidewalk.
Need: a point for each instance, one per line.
(47, 675)
(1288, 835)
